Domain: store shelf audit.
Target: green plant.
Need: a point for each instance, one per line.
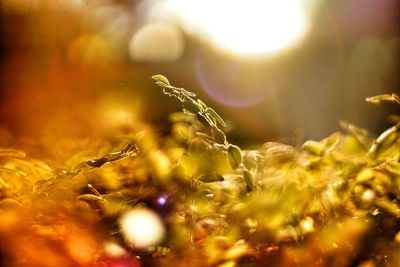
(333, 202)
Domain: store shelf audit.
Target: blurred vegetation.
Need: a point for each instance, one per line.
(333, 202)
(352, 52)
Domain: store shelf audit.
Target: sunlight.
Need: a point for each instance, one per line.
(245, 27)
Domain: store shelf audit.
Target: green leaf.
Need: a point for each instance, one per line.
(385, 140)
(210, 120)
(215, 115)
(201, 103)
(331, 142)
(211, 177)
(160, 78)
(234, 156)
(249, 180)
(313, 147)
(219, 135)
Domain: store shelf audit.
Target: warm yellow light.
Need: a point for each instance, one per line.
(307, 225)
(249, 27)
(114, 250)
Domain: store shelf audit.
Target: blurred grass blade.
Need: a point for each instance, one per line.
(89, 197)
(385, 97)
(211, 177)
(11, 153)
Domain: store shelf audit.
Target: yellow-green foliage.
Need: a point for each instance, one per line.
(333, 202)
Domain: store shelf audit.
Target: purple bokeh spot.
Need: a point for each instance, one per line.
(162, 201)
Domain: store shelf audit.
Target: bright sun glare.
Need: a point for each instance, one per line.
(248, 27)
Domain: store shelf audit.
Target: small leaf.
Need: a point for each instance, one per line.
(208, 118)
(331, 142)
(201, 103)
(249, 180)
(211, 120)
(219, 135)
(160, 78)
(234, 156)
(90, 197)
(211, 177)
(313, 147)
(385, 140)
(215, 115)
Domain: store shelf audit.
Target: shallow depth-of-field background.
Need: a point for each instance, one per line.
(270, 156)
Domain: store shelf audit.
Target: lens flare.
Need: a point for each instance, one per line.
(234, 82)
(144, 45)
